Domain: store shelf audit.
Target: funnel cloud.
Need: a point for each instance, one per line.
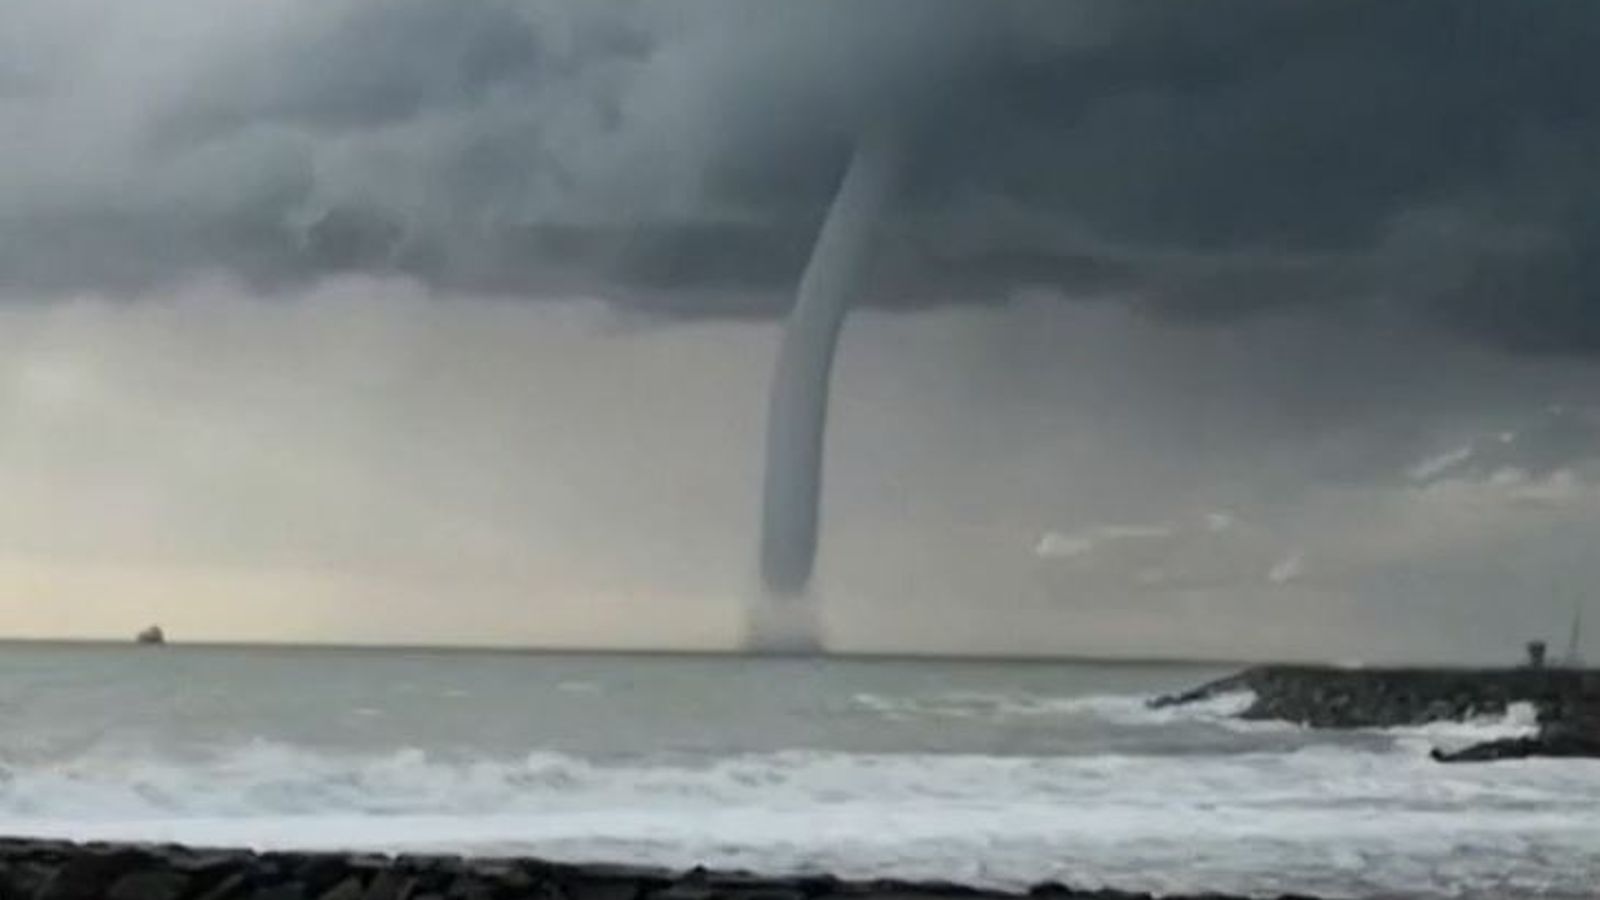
(797, 416)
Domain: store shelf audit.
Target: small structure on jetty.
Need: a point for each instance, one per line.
(1536, 652)
(1573, 657)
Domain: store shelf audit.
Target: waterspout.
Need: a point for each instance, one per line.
(798, 407)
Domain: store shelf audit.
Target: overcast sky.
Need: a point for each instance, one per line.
(1228, 329)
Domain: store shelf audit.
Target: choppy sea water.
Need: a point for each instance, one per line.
(991, 773)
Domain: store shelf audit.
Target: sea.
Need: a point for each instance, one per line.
(999, 774)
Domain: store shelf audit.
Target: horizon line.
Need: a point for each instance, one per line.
(549, 650)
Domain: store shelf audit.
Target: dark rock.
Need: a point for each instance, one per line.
(36, 851)
(468, 887)
(350, 888)
(287, 890)
(24, 879)
(606, 889)
(740, 886)
(1567, 700)
(434, 873)
(91, 872)
(522, 882)
(320, 872)
(551, 890)
(1055, 891)
(892, 895)
(816, 885)
(275, 866)
(208, 863)
(1060, 892)
(936, 888)
(369, 862)
(1556, 745)
(771, 892)
(613, 882)
(229, 886)
(687, 890)
(617, 872)
(744, 883)
(448, 863)
(492, 869)
(391, 884)
(151, 884)
(1218, 688)
(55, 871)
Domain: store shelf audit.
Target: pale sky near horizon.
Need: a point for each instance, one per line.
(366, 463)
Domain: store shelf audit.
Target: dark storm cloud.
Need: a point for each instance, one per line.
(1426, 159)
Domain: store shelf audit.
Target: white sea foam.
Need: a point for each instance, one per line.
(1181, 799)
(1519, 720)
(1326, 819)
(1120, 709)
(1221, 712)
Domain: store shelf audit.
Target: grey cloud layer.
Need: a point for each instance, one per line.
(1431, 161)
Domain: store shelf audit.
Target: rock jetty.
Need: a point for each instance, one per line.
(1567, 700)
(47, 870)
(1558, 744)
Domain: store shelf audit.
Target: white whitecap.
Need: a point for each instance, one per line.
(1320, 819)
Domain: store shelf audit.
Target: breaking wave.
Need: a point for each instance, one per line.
(1221, 711)
(1120, 709)
(1272, 809)
(1320, 818)
(1519, 720)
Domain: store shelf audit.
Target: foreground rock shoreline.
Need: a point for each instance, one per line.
(55, 870)
(1567, 701)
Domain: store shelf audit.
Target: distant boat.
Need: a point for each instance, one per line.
(152, 635)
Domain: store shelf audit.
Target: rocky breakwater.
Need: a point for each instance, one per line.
(51, 870)
(1567, 701)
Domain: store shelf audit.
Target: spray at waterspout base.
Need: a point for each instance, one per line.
(779, 624)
